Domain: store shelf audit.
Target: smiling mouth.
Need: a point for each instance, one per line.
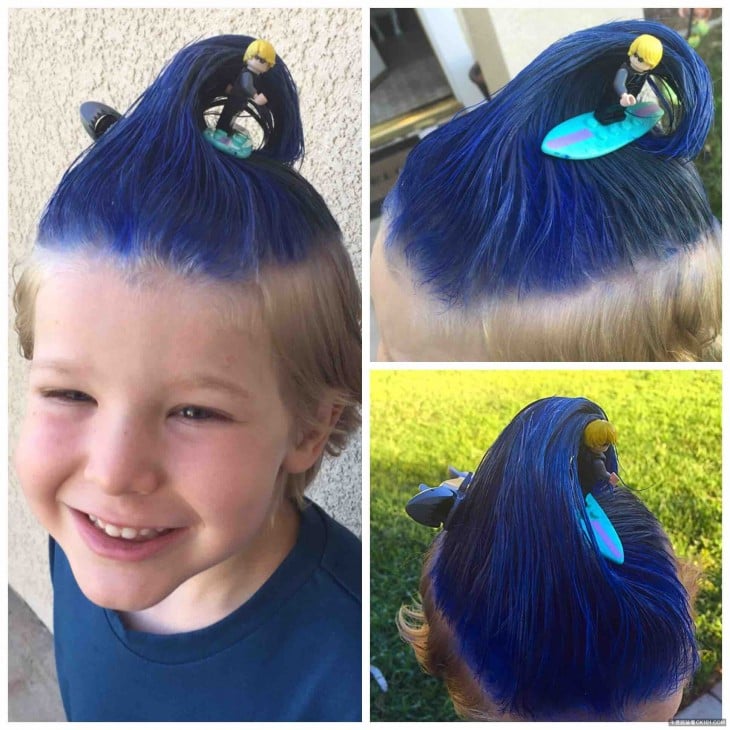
(128, 533)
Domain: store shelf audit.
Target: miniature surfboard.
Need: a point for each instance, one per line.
(609, 543)
(237, 144)
(584, 137)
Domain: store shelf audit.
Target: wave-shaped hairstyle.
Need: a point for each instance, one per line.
(152, 186)
(479, 210)
(536, 621)
(153, 191)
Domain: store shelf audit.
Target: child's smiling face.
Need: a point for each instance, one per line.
(153, 405)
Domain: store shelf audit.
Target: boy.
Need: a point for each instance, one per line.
(178, 406)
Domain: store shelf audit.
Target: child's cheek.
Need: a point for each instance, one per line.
(231, 475)
(47, 449)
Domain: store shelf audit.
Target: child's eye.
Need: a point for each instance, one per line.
(196, 413)
(68, 396)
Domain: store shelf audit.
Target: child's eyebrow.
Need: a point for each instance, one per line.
(211, 382)
(60, 366)
(196, 380)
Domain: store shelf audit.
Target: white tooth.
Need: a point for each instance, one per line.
(112, 530)
(92, 518)
(160, 529)
(146, 532)
(129, 533)
(100, 523)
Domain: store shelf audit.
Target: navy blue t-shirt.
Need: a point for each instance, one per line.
(291, 652)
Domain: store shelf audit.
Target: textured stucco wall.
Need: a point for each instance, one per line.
(59, 58)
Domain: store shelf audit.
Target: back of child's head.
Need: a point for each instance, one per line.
(522, 616)
(153, 192)
(611, 258)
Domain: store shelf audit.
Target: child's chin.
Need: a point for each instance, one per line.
(121, 593)
(123, 603)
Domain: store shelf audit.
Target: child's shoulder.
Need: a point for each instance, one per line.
(341, 561)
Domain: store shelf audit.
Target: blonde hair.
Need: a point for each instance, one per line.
(663, 311)
(323, 359)
(599, 433)
(649, 48)
(319, 362)
(423, 627)
(262, 49)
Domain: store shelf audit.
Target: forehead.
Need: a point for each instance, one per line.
(153, 317)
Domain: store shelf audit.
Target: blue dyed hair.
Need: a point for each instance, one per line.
(153, 187)
(479, 210)
(547, 626)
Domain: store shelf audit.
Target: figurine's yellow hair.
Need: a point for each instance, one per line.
(649, 48)
(599, 433)
(262, 49)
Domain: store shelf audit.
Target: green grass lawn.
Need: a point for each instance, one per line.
(669, 425)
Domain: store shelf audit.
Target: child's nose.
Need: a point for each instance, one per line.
(122, 457)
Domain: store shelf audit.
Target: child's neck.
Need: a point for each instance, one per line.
(210, 596)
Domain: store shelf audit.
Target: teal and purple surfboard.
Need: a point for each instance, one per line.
(607, 539)
(584, 137)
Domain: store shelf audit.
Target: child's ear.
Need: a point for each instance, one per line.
(312, 438)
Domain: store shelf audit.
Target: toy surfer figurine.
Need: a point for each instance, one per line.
(598, 436)
(259, 57)
(597, 133)
(645, 53)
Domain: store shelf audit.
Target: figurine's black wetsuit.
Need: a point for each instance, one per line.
(591, 469)
(245, 87)
(626, 81)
